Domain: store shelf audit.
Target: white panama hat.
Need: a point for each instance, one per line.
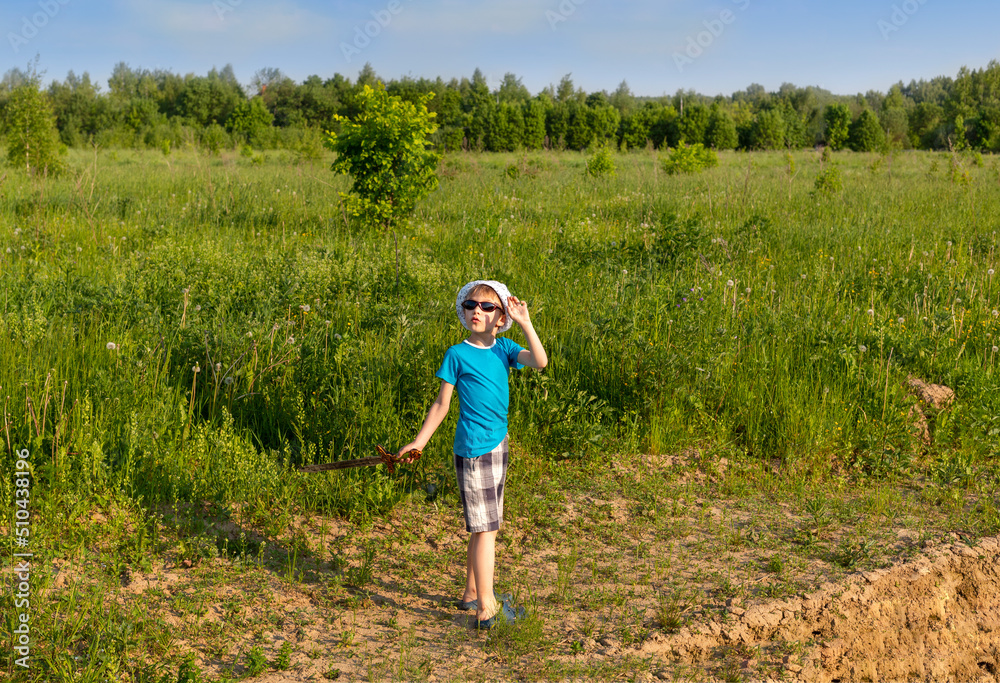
(498, 287)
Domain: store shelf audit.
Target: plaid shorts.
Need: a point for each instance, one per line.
(480, 483)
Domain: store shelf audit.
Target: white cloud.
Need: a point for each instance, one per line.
(457, 19)
(250, 23)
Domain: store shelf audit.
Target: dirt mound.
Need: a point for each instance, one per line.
(933, 398)
(934, 619)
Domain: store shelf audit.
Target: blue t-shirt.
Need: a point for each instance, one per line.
(480, 377)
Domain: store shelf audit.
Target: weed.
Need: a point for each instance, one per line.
(256, 663)
(361, 576)
(565, 570)
(850, 554)
(284, 658)
(673, 604)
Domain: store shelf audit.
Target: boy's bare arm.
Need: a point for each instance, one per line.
(534, 356)
(435, 416)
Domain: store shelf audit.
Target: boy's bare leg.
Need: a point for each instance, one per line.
(481, 558)
(470, 575)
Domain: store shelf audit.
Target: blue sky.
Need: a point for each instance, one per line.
(657, 47)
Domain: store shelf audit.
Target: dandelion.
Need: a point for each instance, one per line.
(480, 254)
(196, 369)
(305, 308)
(625, 272)
(901, 320)
(337, 335)
(112, 346)
(228, 380)
(78, 249)
(328, 323)
(730, 283)
(862, 348)
(290, 340)
(250, 335)
(198, 307)
(990, 272)
(747, 290)
(803, 276)
(995, 313)
(218, 367)
(995, 349)
(871, 312)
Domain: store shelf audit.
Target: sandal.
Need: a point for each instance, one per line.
(506, 615)
(474, 604)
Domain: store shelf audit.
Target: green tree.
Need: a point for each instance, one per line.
(692, 125)
(925, 125)
(634, 130)
(385, 151)
(250, 120)
(534, 123)
(579, 133)
(866, 134)
(768, 130)
(721, 130)
(838, 125)
(32, 139)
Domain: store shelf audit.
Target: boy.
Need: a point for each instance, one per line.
(478, 368)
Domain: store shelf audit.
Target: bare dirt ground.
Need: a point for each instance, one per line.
(704, 571)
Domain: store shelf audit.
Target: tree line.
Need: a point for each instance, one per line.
(161, 109)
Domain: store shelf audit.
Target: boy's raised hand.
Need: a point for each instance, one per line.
(518, 311)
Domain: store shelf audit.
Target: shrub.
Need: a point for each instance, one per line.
(829, 181)
(385, 151)
(214, 138)
(601, 163)
(32, 139)
(693, 159)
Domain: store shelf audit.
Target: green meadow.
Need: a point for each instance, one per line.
(180, 332)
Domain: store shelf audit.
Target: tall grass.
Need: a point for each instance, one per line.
(185, 328)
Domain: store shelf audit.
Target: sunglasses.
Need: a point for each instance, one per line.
(487, 306)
